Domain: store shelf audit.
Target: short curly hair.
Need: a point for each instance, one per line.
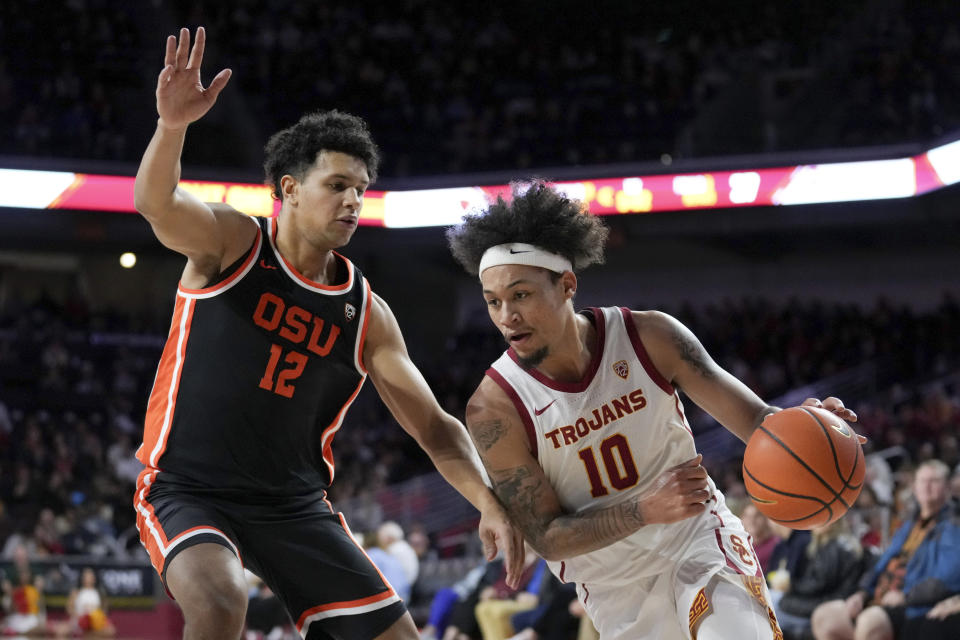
(539, 215)
(294, 150)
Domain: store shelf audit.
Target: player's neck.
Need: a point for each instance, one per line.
(316, 264)
(570, 359)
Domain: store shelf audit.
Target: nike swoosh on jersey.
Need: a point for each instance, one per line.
(537, 412)
(265, 265)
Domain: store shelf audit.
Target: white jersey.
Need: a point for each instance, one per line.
(87, 601)
(605, 440)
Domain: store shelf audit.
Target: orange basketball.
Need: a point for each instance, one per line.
(803, 467)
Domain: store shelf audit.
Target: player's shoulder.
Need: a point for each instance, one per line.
(490, 398)
(380, 311)
(652, 324)
(227, 214)
(238, 229)
(662, 337)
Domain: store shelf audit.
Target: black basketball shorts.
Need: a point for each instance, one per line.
(301, 549)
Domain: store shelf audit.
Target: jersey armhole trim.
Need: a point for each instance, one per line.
(364, 323)
(235, 277)
(642, 354)
(495, 375)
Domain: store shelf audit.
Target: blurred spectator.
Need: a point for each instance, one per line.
(23, 598)
(835, 562)
(446, 598)
(389, 565)
(463, 623)
(266, 617)
(918, 569)
(390, 538)
(552, 618)
(942, 622)
(87, 610)
(867, 519)
(122, 459)
(499, 603)
(789, 557)
(764, 538)
(45, 534)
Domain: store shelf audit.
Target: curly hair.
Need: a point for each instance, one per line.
(294, 150)
(542, 216)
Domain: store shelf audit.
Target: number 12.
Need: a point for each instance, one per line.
(297, 362)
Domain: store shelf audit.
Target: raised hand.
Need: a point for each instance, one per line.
(181, 98)
(679, 493)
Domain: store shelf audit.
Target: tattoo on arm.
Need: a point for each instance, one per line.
(517, 489)
(606, 525)
(693, 354)
(571, 534)
(487, 432)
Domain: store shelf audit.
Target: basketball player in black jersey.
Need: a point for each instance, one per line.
(273, 334)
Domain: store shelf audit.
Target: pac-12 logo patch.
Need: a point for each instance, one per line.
(349, 311)
(621, 368)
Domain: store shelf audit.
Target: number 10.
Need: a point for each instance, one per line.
(622, 475)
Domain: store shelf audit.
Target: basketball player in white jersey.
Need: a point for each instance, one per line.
(583, 434)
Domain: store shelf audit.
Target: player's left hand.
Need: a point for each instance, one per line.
(498, 533)
(834, 406)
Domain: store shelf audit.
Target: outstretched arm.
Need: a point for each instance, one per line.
(206, 234)
(680, 357)
(522, 487)
(410, 400)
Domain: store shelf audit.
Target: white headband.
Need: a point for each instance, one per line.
(520, 253)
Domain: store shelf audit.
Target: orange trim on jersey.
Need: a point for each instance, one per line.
(150, 528)
(343, 523)
(163, 397)
(326, 287)
(366, 322)
(346, 604)
(642, 354)
(254, 250)
(147, 538)
(349, 604)
(335, 425)
(531, 430)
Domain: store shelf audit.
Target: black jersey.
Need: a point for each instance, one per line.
(256, 376)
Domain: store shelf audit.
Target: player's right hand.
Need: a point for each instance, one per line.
(679, 493)
(181, 98)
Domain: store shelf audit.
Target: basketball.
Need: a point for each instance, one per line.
(803, 467)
